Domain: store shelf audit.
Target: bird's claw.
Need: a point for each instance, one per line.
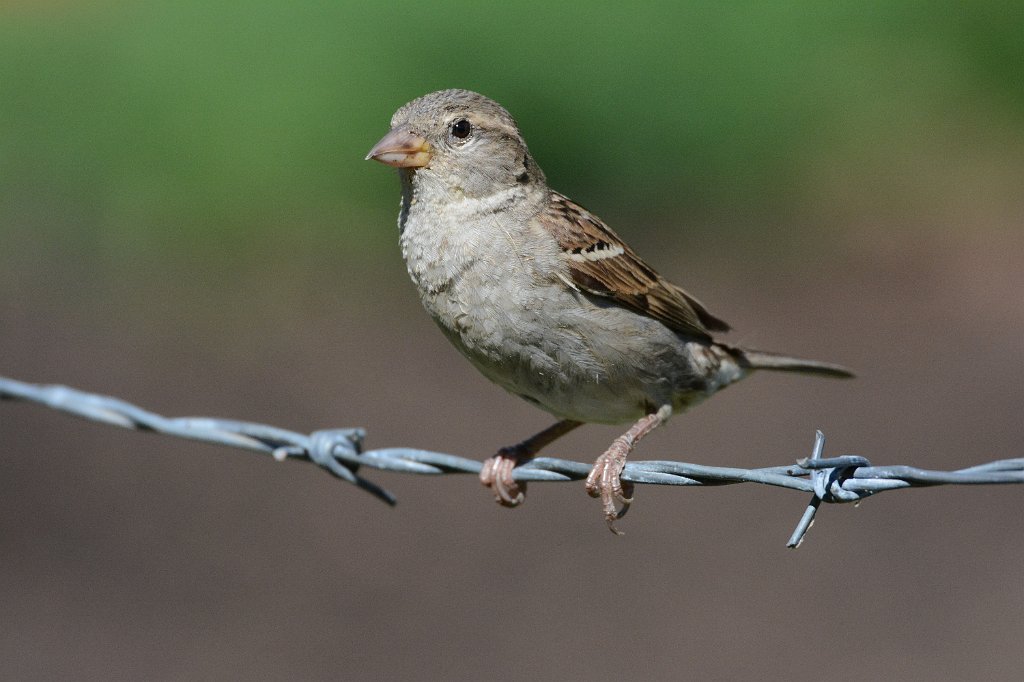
(496, 474)
(606, 483)
(497, 471)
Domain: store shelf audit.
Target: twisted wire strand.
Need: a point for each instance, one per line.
(844, 479)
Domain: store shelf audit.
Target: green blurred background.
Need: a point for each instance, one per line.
(187, 221)
(157, 124)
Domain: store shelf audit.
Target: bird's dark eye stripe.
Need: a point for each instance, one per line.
(461, 128)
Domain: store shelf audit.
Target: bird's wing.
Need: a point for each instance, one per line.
(601, 264)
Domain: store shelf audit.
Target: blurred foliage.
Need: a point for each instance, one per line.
(130, 122)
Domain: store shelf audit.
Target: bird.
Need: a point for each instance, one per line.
(543, 298)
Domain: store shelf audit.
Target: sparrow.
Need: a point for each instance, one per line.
(543, 298)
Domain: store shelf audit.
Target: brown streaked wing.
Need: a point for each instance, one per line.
(601, 264)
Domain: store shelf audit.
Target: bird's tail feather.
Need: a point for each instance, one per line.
(757, 359)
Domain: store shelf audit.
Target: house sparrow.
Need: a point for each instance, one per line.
(542, 297)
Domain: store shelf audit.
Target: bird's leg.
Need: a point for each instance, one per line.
(496, 473)
(604, 481)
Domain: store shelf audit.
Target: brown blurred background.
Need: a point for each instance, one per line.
(186, 223)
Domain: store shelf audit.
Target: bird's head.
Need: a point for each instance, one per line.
(461, 139)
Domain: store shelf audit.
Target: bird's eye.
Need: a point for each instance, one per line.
(461, 129)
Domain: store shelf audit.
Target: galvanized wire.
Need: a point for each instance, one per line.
(848, 478)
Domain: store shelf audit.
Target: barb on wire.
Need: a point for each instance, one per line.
(340, 451)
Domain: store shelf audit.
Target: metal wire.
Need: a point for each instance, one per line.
(340, 451)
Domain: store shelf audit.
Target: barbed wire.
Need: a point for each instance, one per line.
(844, 479)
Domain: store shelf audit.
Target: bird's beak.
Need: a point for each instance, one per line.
(402, 148)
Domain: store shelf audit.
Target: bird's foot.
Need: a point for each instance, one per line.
(605, 479)
(605, 482)
(496, 474)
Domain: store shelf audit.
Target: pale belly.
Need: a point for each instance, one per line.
(593, 364)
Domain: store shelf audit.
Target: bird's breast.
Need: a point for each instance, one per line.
(493, 287)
